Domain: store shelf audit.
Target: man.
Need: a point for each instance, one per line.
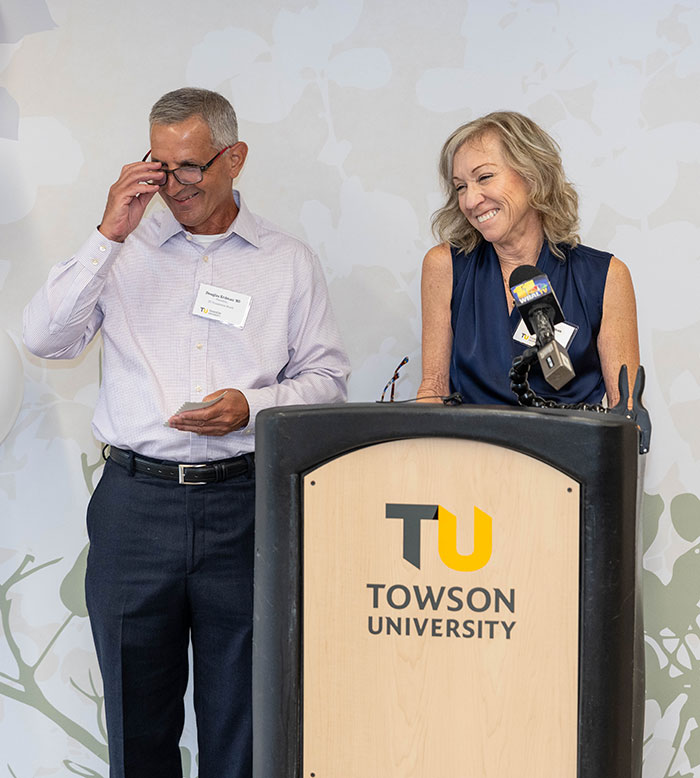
(204, 301)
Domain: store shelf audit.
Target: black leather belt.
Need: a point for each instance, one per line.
(206, 473)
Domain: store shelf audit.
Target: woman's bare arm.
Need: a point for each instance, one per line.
(618, 341)
(436, 296)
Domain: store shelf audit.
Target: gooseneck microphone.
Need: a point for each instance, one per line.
(540, 310)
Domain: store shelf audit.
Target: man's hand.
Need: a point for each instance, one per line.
(128, 198)
(229, 414)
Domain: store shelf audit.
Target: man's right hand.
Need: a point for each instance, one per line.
(128, 198)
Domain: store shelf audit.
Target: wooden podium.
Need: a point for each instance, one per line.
(446, 593)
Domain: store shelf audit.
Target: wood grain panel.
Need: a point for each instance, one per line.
(489, 689)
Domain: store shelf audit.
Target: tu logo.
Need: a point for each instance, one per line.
(412, 515)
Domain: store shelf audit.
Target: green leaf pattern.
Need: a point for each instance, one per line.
(673, 646)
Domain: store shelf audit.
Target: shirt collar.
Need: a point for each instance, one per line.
(243, 225)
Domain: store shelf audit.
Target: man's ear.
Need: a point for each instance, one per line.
(237, 154)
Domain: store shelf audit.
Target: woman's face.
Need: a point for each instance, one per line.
(492, 196)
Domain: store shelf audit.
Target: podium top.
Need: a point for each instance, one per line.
(578, 443)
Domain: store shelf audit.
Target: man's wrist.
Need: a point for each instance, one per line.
(109, 235)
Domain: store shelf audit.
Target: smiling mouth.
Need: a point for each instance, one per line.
(488, 215)
(185, 199)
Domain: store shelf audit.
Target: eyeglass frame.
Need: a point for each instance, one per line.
(202, 168)
(392, 381)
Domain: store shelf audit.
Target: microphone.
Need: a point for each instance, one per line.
(540, 310)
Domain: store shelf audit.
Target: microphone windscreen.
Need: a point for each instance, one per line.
(523, 273)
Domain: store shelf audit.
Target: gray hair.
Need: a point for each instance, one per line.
(534, 155)
(215, 110)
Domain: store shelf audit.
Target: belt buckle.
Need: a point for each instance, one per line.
(182, 470)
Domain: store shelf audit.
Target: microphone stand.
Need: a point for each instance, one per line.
(520, 370)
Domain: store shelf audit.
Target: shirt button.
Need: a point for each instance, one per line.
(103, 248)
(199, 345)
(95, 261)
(198, 389)
(188, 236)
(205, 258)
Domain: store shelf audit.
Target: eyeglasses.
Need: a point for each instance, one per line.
(392, 381)
(187, 174)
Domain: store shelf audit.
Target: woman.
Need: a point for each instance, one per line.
(509, 204)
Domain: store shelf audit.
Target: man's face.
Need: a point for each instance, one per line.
(208, 207)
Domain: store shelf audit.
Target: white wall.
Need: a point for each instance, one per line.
(344, 105)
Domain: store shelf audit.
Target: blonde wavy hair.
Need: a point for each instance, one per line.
(535, 156)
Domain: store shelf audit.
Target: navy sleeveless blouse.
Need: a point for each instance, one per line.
(483, 346)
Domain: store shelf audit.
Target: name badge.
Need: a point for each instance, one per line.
(214, 302)
(563, 334)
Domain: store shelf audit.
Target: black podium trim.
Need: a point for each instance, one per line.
(293, 440)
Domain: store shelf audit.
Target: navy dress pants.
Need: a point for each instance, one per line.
(169, 563)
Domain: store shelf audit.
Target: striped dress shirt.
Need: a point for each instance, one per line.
(157, 354)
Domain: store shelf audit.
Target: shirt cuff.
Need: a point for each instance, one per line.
(97, 253)
(258, 400)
